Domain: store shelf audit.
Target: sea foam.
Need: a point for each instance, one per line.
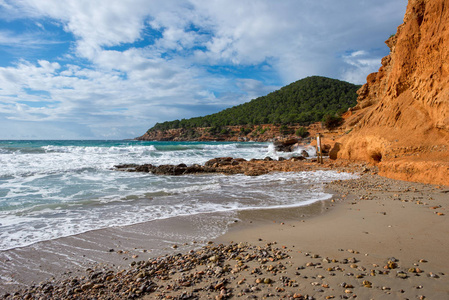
(54, 189)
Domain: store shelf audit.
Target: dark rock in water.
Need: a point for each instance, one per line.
(281, 158)
(194, 169)
(169, 169)
(304, 153)
(285, 145)
(267, 158)
(180, 169)
(219, 161)
(144, 168)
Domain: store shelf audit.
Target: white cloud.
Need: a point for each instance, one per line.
(140, 62)
(359, 65)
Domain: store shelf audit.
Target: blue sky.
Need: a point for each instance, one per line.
(111, 69)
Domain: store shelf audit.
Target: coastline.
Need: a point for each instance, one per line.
(376, 218)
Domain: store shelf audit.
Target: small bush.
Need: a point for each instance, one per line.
(225, 130)
(284, 129)
(332, 121)
(302, 132)
(245, 131)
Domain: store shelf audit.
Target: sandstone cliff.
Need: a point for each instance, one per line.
(401, 121)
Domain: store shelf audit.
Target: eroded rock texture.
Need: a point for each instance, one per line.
(401, 121)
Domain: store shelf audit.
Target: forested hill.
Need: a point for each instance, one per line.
(303, 102)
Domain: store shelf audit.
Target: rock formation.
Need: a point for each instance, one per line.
(401, 121)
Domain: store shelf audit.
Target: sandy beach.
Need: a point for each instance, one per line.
(376, 239)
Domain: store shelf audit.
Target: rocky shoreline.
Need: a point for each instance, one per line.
(254, 167)
(224, 165)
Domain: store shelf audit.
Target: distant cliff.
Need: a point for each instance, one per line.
(259, 133)
(401, 121)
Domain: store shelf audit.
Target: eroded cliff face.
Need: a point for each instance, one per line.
(401, 121)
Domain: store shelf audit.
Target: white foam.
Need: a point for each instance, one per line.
(67, 190)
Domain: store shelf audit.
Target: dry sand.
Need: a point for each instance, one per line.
(377, 239)
(374, 221)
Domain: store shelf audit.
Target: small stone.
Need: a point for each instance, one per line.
(432, 275)
(391, 265)
(213, 258)
(367, 284)
(98, 286)
(267, 281)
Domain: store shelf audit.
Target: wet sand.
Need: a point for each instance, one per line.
(377, 239)
(113, 248)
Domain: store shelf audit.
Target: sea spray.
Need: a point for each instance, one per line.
(51, 189)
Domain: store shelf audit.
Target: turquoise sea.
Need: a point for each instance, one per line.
(51, 189)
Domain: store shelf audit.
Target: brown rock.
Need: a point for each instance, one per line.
(402, 115)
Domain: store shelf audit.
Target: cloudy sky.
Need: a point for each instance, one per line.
(111, 69)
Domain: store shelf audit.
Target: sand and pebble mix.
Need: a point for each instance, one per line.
(243, 271)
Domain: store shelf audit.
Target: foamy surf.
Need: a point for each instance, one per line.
(56, 189)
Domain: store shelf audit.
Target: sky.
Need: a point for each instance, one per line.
(111, 69)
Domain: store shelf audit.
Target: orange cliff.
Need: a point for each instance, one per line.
(401, 121)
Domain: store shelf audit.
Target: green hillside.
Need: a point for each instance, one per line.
(303, 102)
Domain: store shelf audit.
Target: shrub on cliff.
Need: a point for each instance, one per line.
(332, 121)
(302, 132)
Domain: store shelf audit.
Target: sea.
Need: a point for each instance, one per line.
(53, 189)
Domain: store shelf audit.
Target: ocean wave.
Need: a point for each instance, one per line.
(171, 197)
(99, 150)
(68, 187)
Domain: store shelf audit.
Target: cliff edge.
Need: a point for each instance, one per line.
(401, 121)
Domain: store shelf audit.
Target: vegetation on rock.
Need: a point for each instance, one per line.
(303, 102)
